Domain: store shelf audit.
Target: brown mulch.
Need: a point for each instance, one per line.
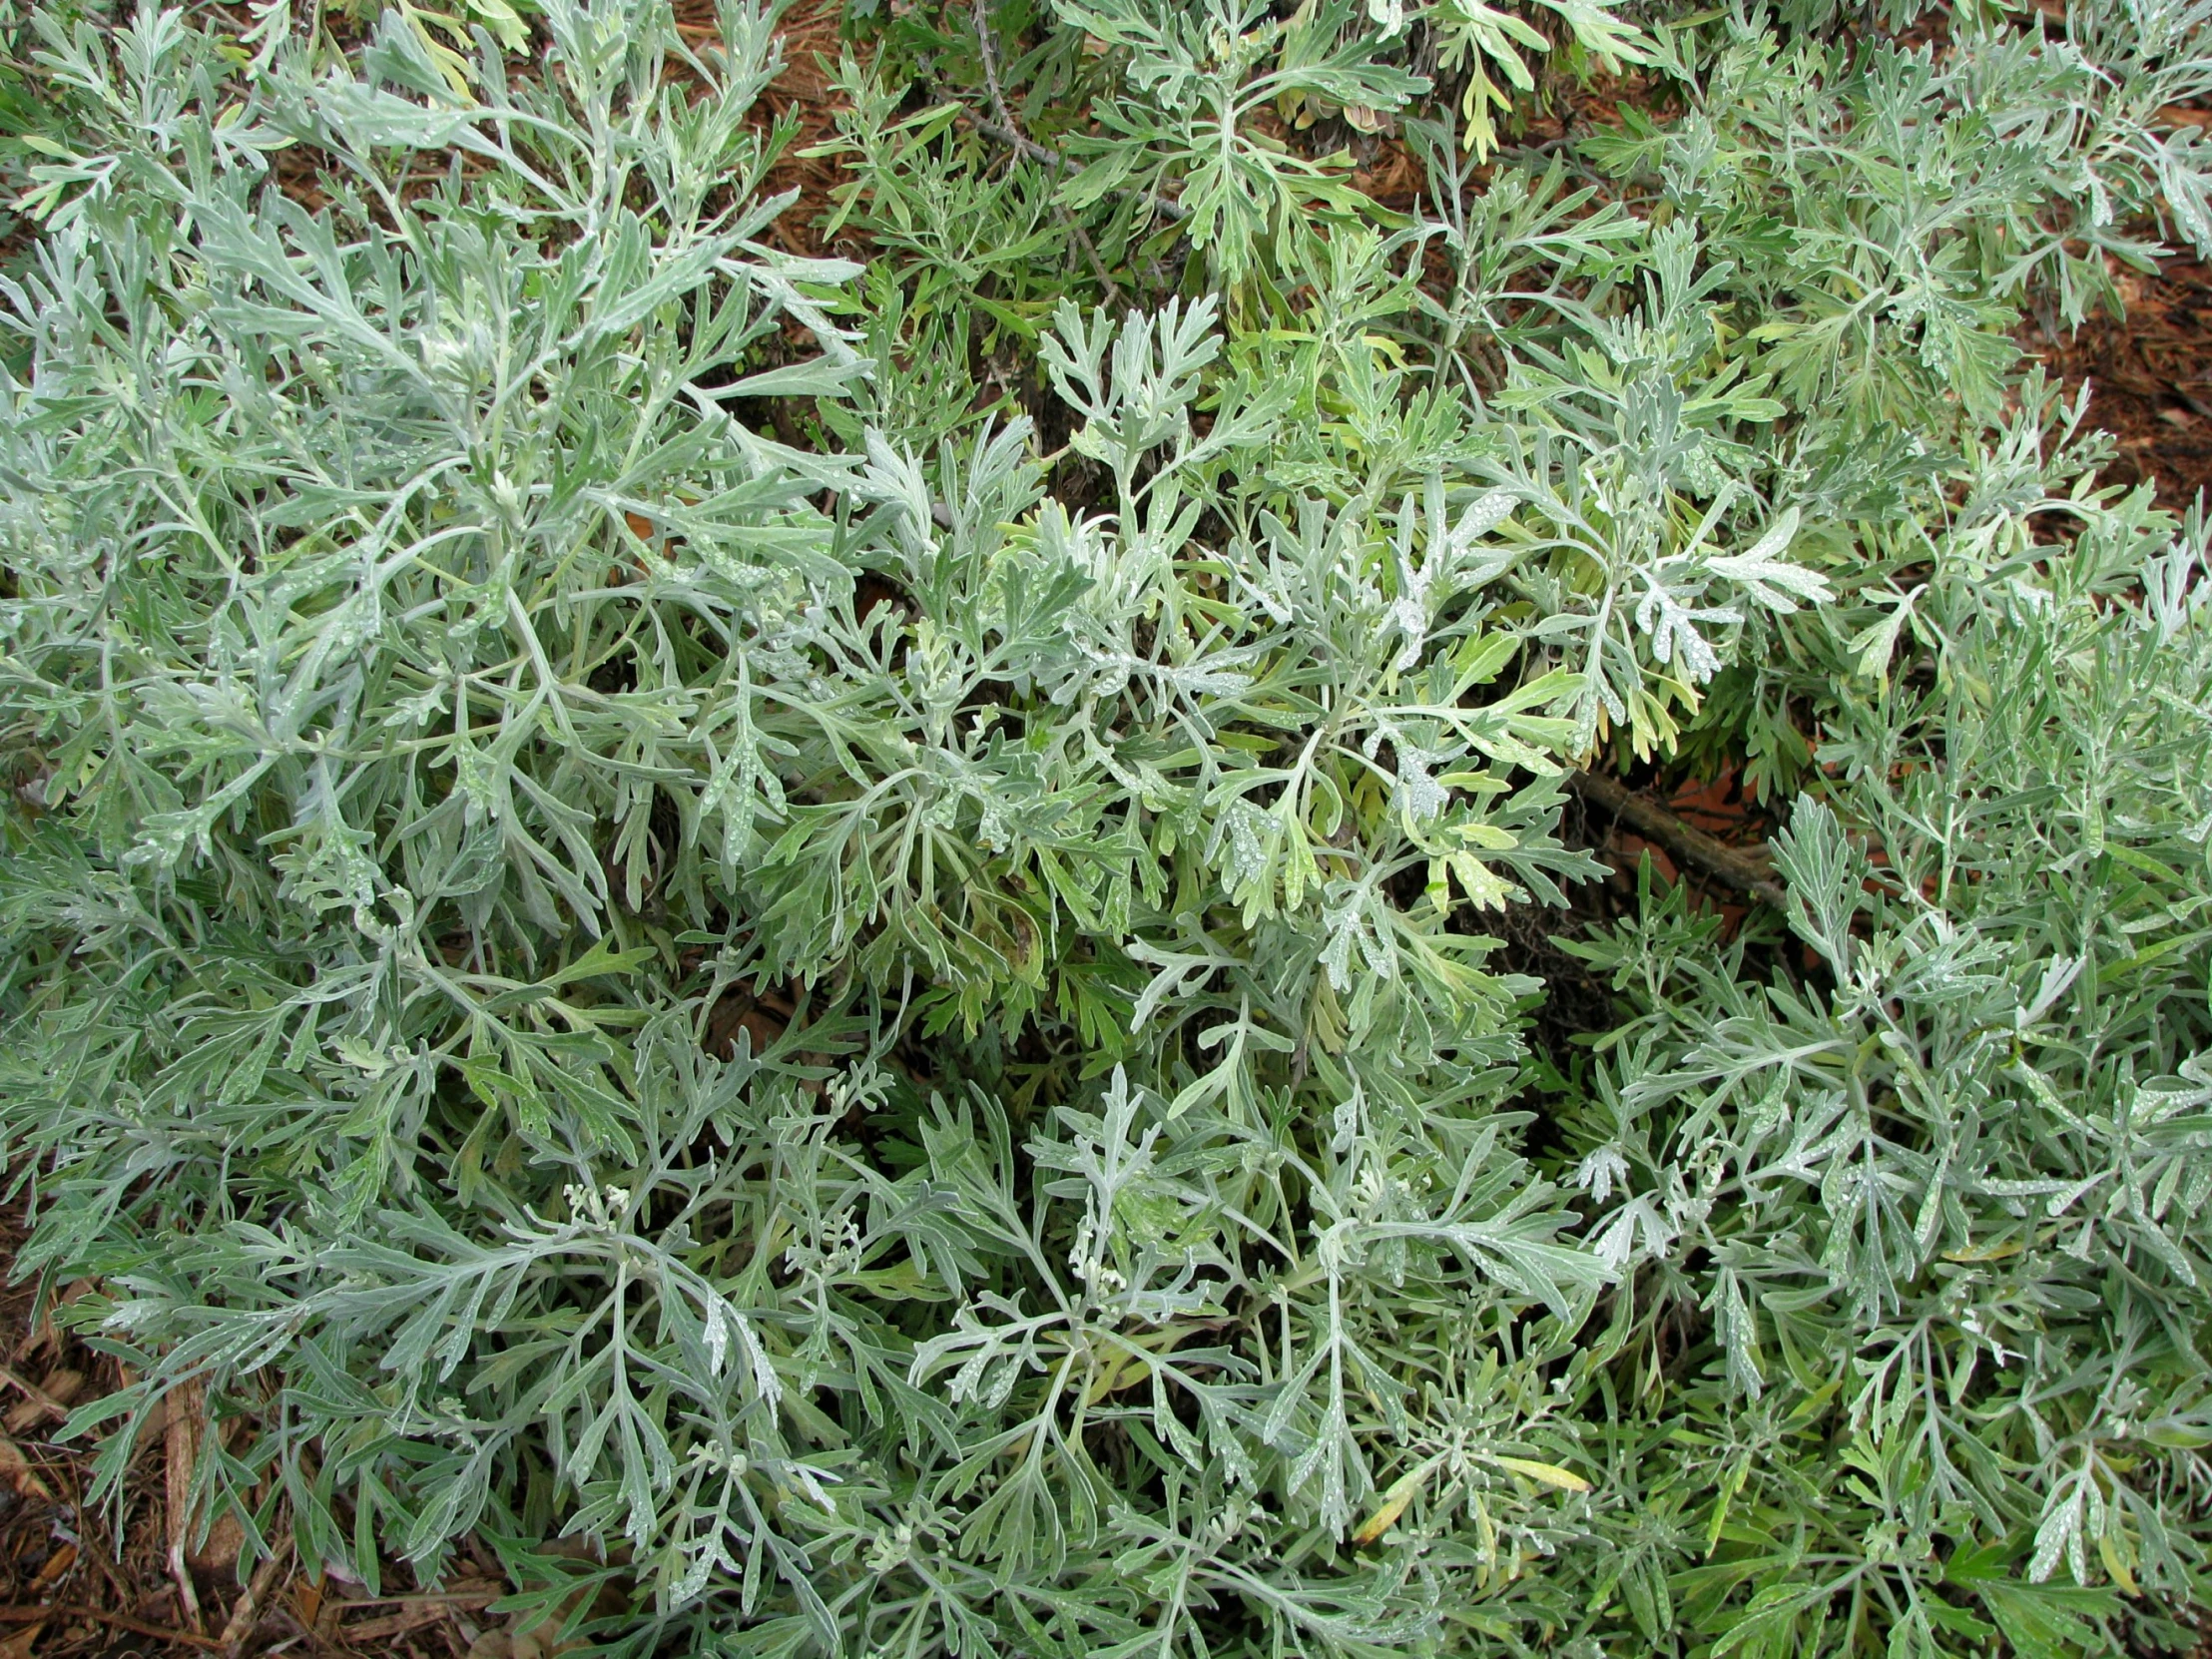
(800, 94)
(122, 1580)
(2150, 378)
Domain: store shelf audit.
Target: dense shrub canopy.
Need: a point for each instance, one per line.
(840, 925)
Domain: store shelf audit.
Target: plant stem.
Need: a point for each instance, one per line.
(1744, 872)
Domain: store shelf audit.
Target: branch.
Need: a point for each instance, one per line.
(1167, 206)
(1743, 871)
(1023, 145)
(1008, 132)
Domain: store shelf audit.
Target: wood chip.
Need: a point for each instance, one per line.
(16, 1470)
(48, 1400)
(37, 1403)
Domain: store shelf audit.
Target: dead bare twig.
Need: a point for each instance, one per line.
(1743, 871)
(1021, 143)
(121, 1621)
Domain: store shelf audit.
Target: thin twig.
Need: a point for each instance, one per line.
(1013, 137)
(311, 1636)
(1167, 206)
(1741, 870)
(88, 1534)
(456, 1597)
(1007, 131)
(121, 1621)
(407, 1620)
(1013, 128)
(181, 1433)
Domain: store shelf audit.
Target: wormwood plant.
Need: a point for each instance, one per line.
(839, 928)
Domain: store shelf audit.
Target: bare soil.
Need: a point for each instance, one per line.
(2150, 378)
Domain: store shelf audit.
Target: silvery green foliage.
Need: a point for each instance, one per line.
(450, 697)
(1964, 1151)
(445, 725)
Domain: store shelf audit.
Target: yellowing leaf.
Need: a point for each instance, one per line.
(2116, 1563)
(1552, 1474)
(1394, 1500)
(1986, 1253)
